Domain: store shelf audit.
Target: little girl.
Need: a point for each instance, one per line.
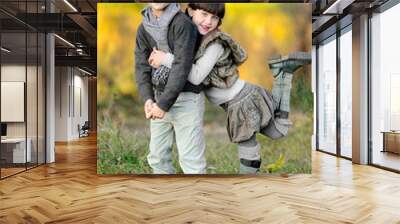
(250, 108)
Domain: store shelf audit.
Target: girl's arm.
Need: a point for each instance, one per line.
(203, 65)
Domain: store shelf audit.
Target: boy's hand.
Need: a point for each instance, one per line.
(156, 112)
(156, 58)
(148, 106)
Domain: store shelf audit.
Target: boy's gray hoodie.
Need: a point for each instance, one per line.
(158, 28)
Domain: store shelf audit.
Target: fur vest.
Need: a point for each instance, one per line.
(225, 72)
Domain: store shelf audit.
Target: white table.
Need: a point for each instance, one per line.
(19, 149)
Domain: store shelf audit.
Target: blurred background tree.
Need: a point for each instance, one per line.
(262, 29)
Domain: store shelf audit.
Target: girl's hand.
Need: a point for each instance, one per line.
(156, 58)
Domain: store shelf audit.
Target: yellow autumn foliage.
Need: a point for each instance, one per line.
(263, 29)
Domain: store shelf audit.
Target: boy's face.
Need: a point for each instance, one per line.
(158, 6)
(204, 21)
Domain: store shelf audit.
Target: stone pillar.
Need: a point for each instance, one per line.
(360, 90)
(50, 92)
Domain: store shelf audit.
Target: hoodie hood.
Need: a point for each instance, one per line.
(158, 27)
(169, 12)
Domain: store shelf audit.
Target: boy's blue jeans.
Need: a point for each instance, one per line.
(185, 121)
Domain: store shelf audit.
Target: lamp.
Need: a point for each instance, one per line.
(337, 7)
(70, 5)
(5, 50)
(64, 40)
(84, 71)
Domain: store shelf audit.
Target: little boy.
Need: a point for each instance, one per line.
(175, 106)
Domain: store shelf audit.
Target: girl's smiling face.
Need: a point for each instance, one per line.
(204, 21)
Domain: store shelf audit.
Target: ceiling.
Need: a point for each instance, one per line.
(74, 22)
(330, 15)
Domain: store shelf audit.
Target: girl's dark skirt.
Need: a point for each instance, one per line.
(250, 112)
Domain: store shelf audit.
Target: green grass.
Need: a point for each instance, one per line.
(123, 143)
(120, 152)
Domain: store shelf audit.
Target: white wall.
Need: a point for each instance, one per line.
(81, 102)
(62, 80)
(71, 94)
(13, 73)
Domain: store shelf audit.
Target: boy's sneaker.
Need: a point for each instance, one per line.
(249, 166)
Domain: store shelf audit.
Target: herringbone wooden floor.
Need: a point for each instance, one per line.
(70, 191)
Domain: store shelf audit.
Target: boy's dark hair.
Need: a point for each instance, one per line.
(217, 9)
